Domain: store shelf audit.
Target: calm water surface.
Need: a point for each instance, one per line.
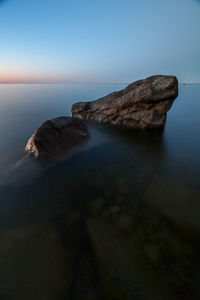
(118, 220)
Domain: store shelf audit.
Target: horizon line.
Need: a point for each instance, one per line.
(78, 82)
(65, 82)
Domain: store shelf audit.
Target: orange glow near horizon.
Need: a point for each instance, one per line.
(33, 79)
(17, 77)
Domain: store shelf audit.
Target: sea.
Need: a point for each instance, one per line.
(119, 219)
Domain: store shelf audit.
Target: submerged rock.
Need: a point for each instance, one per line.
(142, 104)
(61, 135)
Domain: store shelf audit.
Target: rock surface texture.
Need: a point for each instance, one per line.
(142, 104)
(57, 136)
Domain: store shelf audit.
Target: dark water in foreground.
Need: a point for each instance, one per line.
(119, 220)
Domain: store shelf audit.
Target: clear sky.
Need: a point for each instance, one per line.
(98, 41)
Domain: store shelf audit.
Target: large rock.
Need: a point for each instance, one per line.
(57, 136)
(142, 104)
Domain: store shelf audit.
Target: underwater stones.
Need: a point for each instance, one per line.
(114, 209)
(152, 252)
(124, 222)
(55, 137)
(33, 264)
(121, 258)
(142, 104)
(175, 201)
(95, 205)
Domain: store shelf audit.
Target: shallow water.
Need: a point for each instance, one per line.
(119, 220)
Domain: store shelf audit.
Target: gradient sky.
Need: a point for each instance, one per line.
(98, 41)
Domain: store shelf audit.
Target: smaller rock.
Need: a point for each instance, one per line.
(58, 136)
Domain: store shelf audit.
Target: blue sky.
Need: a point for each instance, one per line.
(98, 41)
